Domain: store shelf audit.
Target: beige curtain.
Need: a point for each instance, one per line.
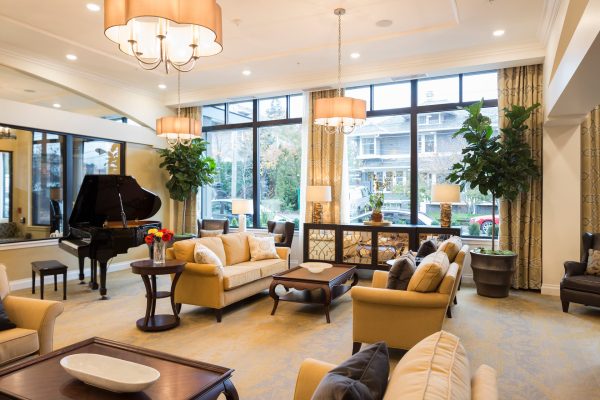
(191, 214)
(590, 172)
(325, 162)
(521, 220)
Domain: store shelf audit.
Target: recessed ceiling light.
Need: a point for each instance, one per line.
(93, 7)
(246, 72)
(384, 23)
(56, 105)
(355, 55)
(71, 57)
(498, 32)
(162, 86)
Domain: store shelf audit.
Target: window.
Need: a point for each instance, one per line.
(362, 93)
(256, 159)
(213, 115)
(94, 156)
(47, 180)
(5, 186)
(388, 145)
(280, 158)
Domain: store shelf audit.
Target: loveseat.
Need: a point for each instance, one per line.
(209, 285)
(435, 368)
(35, 324)
(401, 318)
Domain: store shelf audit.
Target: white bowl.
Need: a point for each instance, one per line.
(109, 373)
(315, 267)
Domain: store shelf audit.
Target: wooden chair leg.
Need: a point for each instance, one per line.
(356, 347)
(565, 306)
(219, 314)
(448, 312)
(455, 301)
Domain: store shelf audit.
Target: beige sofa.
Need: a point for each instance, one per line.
(208, 285)
(401, 318)
(435, 368)
(35, 324)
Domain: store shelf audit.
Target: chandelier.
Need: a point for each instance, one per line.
(178, 130)
(174, 32)
(340, 114)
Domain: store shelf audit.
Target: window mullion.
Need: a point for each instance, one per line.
(414, 173)
(255, 166)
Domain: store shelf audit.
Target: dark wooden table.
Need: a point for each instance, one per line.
(148, 270)
(43, 378)
(319, 288)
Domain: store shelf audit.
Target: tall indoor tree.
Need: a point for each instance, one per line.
(189, 169)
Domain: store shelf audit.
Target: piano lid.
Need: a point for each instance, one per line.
(98, 200)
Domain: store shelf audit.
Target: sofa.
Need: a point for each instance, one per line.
(208, 285)
(35, 324)
(576, 286)
(437, 367)
(402, 318)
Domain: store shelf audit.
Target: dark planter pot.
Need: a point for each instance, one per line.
(376, 216)
(493, 273)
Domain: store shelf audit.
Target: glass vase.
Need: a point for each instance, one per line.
(158, 252)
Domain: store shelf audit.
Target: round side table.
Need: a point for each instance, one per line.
(148, 270)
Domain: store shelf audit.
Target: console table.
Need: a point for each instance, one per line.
(366, 247)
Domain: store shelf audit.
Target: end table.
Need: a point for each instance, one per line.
(149, 270)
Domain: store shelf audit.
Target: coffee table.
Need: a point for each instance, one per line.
(313, 288)
(180, 378)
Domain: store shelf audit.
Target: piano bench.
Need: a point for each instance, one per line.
(46, 268)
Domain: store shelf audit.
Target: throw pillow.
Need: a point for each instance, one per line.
(401, 272)
(5, 322)
(364, 376)
(430, 273)
(426, 248)
(451, 247)
(593, 265)
(210, 232)
(262, 248)
(204, 255)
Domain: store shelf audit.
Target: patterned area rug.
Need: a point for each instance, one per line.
(539, 352)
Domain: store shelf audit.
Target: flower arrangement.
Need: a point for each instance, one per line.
(376, 201)
(158, 235)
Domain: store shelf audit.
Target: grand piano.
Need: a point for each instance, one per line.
(108, 218)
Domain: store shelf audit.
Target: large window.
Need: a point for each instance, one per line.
(407, 146)
(257, 147)
(5, 186)
(47, 180)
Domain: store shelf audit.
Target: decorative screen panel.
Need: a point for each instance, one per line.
(436, 237)
(391, 245)
(357, 247)
(321, 244)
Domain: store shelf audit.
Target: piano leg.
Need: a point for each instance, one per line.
(94, 274)
(81, 275)
(103, 267)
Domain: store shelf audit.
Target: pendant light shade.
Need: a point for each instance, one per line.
(178, 127)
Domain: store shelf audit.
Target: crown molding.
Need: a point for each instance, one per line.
(548, 19)
(435, 64)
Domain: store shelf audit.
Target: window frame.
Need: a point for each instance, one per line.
(413, 111)
(255, 125)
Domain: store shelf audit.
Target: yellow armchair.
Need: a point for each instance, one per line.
(35, 324)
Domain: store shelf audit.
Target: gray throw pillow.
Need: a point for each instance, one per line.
(426, 248)
(364, 376)
(5, 322)
(401, 272)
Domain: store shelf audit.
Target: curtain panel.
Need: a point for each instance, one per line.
(521, 220)
(590, 172)
(325, 162)
(191, 214)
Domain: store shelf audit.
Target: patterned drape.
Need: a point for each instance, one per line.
(325, 162)
(521, 220)
(590, 172)
(191, 203)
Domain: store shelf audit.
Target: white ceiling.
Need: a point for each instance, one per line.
(287, 44)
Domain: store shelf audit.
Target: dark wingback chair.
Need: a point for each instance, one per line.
(577, 287)
(284, 228)
(213, 225)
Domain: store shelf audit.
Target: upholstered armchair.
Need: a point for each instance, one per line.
(35, 324)
(283, 228)
(577, 287)
(213, 225)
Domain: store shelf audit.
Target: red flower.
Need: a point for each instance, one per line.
(167, 236)
(149, 239)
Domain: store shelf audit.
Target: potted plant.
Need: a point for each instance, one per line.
(189, 169)
(376, 202)
(503, 167)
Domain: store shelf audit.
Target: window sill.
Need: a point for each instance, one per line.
(25, 244)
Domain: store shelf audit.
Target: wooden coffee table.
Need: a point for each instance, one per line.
(320, 288)
(180, 378)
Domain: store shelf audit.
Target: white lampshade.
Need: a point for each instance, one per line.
(445, 193)
(338, 111)
(318, 193)
(242, 206)
(174, 127)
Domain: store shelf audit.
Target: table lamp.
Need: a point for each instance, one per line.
(241, 207)
(445, 194)
(318, 194)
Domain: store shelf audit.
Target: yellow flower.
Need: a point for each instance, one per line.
(158, 234)
(152, 231)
